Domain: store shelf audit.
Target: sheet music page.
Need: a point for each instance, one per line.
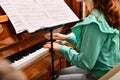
(58, 11)
(12, 16)
(33, 15)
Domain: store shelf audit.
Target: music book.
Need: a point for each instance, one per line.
(33, 15)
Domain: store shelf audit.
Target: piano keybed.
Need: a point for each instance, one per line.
(28, 56)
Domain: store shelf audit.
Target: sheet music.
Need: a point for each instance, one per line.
(32, 15)
(13, 17)
(58, 11)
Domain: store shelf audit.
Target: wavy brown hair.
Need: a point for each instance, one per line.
(111, 10)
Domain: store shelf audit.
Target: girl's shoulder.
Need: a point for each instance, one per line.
(97, 18)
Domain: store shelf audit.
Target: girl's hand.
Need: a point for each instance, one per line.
(56, 46)
(57, 36)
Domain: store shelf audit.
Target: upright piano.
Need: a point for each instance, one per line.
(25, 50)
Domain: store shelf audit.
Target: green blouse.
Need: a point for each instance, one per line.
(97, 44)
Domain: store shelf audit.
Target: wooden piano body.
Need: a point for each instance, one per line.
(12, 43)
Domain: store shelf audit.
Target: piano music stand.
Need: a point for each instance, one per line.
(52, 55)
(53, 75)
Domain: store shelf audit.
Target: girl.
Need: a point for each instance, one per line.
(96, 39)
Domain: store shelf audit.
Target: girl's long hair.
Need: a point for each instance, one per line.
(111, 10)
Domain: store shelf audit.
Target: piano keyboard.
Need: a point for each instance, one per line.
(25, 58)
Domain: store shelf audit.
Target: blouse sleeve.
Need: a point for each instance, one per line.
(92, 42)
(72, 39)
